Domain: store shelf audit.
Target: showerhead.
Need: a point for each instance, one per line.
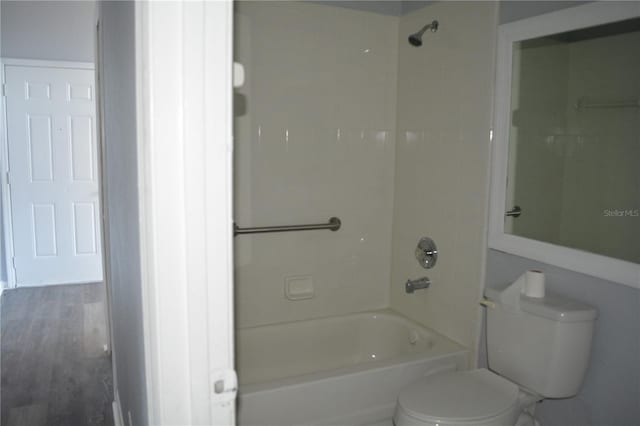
(416, 38)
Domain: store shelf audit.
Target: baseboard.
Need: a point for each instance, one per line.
(118, 420)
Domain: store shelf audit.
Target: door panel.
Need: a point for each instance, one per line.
(85, 228)
(53, 180)
(44, 226)
(40, 147)
(81, 131)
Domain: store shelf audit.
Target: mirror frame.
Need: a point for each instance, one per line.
(592, 14)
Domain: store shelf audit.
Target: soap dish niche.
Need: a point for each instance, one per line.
(299, 287)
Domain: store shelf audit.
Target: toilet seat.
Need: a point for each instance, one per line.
(475, 397)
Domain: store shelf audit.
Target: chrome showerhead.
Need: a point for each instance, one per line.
(416, 38)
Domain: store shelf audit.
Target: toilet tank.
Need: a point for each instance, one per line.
(542, 344)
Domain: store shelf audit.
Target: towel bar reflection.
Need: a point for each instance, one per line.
(584, 103)
(334, 224)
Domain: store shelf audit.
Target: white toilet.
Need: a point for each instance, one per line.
(537, 348)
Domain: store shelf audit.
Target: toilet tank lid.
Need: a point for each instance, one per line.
(558, 308)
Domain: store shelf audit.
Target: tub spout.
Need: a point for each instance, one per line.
(413, 285)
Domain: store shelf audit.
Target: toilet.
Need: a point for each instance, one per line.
(537, 348)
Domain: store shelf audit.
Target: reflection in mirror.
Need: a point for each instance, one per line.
(574, 142)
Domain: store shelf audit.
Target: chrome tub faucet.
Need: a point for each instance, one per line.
(418, 284)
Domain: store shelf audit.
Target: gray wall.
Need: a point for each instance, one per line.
(611, 391)
(59, 30)
(120, 174)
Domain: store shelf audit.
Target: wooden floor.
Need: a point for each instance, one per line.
(54, 369)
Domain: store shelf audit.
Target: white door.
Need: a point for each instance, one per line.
(53, 175)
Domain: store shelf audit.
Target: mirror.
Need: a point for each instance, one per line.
(574, 142)
(569, 117)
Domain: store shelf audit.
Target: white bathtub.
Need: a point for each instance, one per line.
(345, 370)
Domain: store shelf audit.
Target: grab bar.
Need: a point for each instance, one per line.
(334, 224)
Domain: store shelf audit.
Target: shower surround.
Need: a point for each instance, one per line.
(314, 138)
(341, 116)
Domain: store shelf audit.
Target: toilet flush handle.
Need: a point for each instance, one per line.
(488, 303)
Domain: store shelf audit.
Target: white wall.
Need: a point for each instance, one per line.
(445, 92)
(119, 102)
(56, 30)
(314, 139)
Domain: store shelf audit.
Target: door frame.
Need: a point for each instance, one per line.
(104, 208)
(7, 222)
(184, 61)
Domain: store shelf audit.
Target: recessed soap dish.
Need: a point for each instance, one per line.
(299, 287)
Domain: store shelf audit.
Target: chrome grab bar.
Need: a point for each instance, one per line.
(334, 224)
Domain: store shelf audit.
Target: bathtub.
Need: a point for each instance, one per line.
(345, 370)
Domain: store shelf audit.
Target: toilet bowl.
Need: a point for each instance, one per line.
(461, 398)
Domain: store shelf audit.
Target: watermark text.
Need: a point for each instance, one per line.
(621, 212)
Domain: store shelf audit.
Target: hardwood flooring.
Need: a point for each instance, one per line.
(54, 368)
